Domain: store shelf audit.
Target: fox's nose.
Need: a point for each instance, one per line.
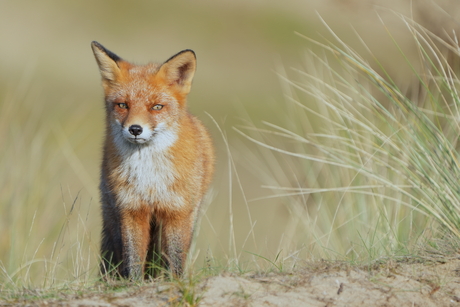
(135, 130)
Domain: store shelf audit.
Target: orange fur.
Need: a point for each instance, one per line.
(157, 163)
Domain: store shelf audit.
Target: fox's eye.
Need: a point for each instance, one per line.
(157, 107)
(122, 105)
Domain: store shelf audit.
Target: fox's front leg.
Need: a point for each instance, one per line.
(176, 237)
(135, 232)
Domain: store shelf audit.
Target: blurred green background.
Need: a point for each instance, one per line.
(51, 109)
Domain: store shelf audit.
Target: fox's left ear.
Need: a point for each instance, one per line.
(179, 70)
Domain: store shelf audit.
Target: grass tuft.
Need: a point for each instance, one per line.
(366, 169)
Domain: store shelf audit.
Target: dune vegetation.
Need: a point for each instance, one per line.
(337, 137)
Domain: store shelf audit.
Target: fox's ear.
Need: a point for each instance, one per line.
(179, 69)
(107, 62)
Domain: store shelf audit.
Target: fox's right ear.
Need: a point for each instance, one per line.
(107, 61)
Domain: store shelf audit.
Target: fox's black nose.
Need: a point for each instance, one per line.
(135, 130)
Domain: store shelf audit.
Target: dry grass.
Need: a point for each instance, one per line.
(366, 171)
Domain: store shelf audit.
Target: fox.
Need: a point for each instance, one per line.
(157, 165)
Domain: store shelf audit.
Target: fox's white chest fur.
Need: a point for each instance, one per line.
(149, 172)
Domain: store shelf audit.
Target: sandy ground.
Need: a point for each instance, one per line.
(391, 283)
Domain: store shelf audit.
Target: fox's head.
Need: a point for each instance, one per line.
(144, 103)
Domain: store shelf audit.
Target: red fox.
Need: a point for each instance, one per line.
(158, 161)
